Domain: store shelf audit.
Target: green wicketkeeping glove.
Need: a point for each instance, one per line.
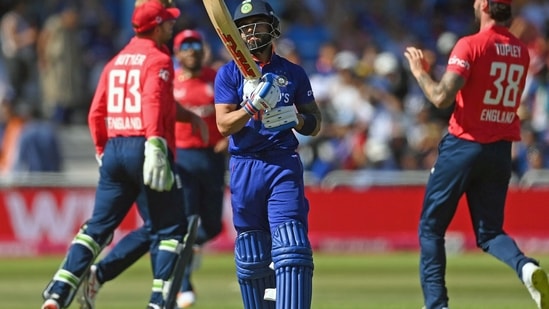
(157, 172)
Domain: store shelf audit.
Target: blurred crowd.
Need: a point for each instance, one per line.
(376, 117)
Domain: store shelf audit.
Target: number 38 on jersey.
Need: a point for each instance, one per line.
(508, 77)
(506, 92)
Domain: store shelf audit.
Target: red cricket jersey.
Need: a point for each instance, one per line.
(134, 96)
(196, 94)
(494, 64)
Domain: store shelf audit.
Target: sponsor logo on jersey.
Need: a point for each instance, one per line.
(459, 62)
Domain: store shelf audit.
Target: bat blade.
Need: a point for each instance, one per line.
(182, 262)
(228, 33)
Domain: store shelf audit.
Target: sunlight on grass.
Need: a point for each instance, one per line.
(388, 281)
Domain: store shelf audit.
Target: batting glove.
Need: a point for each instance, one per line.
(157, 172)
(264, 96)
(280, 118)
(249, 87)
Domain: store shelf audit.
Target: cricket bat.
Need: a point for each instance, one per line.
(230, 36)
(182, 262)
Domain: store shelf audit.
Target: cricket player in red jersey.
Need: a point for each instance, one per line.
(201, 163)
(132, 123)
(485, 75)
(200, 158)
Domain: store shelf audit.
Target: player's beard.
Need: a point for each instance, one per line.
(477, 13)
(260, 43)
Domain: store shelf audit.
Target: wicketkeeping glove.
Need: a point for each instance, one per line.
(264, 96)
(157, 172)
(280, 118)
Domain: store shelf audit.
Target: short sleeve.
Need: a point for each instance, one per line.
(461, 58)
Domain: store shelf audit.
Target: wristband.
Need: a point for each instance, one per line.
(309, 124)
(249, 108)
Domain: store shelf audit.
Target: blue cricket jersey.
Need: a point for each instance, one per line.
(254, 138)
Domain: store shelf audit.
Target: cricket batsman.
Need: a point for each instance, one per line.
(270, 210)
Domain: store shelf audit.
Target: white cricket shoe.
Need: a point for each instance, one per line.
(90, 288)
(185, 299)
(50, 304)
(535, 280)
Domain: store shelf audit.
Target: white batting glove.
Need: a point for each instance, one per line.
(280, 118)
(249, 87)
(264, 96)
(157, 172)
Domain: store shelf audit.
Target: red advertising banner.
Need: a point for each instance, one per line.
(386, 218)
(36, 221)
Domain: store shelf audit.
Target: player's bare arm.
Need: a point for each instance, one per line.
(183, 114)
(442, 94)
(310, 109)
(197, 123)
(229, 119)
(221, 146)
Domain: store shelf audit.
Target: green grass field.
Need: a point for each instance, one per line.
(475, 281)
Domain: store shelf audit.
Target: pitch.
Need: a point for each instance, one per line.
(341, 281)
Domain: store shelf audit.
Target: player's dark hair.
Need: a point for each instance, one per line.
(500, 12)
(144, 33)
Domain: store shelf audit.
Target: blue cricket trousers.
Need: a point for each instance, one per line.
(482, 173)
(121, 184)
(267, 190)
(202, 174)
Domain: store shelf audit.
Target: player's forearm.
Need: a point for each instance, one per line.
(99, 136)
(309, 119)
(232, 122)
(97, 121)
(308, 124)
(435, 92)
(183, 114)
(221, 145)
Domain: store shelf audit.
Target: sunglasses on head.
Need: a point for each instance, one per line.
(191, 45)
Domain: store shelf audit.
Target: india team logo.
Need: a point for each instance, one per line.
(281, 80)
(246, 8)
